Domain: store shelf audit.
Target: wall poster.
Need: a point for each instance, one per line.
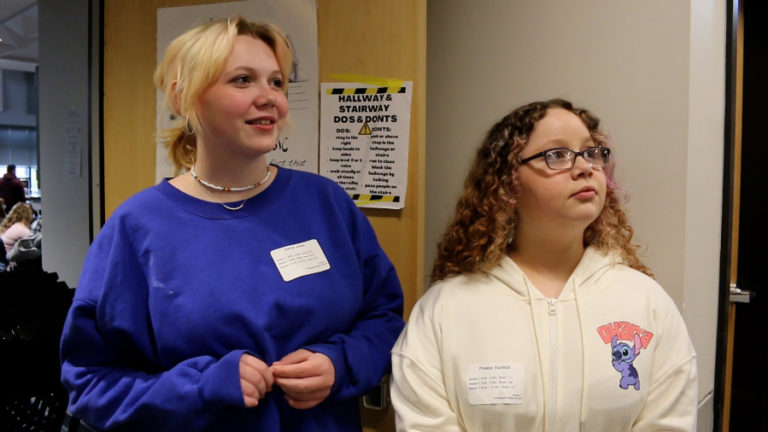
(364, 140)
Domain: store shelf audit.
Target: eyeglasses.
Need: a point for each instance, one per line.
(565, 158)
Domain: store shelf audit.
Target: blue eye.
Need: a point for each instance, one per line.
(242, 79)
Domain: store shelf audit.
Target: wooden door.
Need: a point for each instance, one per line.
(749, 389)
(745, 398)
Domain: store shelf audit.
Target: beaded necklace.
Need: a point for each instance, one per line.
(230, 189)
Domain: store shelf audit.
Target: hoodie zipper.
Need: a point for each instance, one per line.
(552, 406)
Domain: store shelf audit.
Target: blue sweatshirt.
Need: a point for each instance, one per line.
(175, 289)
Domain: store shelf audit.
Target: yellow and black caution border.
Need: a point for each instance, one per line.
(365, 90)
(361, 199)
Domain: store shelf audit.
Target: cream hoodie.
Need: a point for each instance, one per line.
(488, 352)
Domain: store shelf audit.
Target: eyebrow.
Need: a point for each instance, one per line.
(561, 143)
(237, 69)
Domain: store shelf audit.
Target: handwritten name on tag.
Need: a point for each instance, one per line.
(495, 383)
(300, 259)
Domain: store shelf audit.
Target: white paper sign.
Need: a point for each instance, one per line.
(495, 383)
(73, 149)
(364, 139)
(300, 259)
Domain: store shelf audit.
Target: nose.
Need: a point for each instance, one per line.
(265, 95)
(581, 167)
(265, 99)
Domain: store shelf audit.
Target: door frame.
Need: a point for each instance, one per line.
(729, 228)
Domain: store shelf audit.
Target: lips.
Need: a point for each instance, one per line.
(262, 121)
(265, 124)
(585, 192)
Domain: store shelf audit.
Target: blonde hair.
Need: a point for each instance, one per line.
(478, 236)
(20, 212)
(192, 63)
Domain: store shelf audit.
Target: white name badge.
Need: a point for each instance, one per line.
(495, 383)
(300, 259)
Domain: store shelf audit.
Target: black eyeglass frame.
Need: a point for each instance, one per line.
(605, 152)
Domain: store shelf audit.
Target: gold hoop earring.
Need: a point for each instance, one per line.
(187, 127)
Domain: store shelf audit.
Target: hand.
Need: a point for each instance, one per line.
(256, 379)
(306, 377)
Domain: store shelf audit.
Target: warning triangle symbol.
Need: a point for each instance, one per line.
(365, 130)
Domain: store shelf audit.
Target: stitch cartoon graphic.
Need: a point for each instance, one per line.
(623, 357)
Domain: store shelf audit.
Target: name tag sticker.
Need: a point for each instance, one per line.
(495, 383)
(300, 259)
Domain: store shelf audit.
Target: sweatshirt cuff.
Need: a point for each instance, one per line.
(220, 383)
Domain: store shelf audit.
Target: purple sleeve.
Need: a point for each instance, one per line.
(361, 356)
(109, 368)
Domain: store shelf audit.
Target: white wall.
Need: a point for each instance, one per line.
(652, 70)
(64, 92)
(703, 202)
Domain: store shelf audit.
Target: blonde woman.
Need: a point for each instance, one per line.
(542, 317)
(237, 295)
(16, 225)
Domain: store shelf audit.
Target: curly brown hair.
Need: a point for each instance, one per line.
(477, 237)
(20, 212)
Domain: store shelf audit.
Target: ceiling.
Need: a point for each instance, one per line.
(18, 30)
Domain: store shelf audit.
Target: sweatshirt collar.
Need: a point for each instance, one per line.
(593, 263)
(211, 210)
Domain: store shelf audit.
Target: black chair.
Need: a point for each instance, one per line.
(3, 259)
(33, 307)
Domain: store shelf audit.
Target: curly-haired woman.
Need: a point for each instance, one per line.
(16, 225)
(542, 315)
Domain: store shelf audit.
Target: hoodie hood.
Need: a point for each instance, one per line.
(594, 262)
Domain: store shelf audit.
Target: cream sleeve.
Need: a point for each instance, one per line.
(418, 390)
(672, 402)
